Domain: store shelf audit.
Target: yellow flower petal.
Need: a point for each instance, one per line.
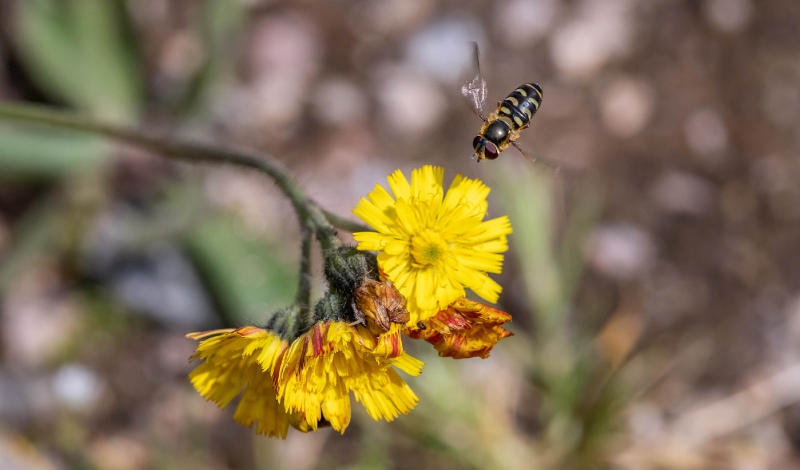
(372, 241)
(399, 185)
(389, 400)
(242, 359)
(426, 183)
(372, 215)
(321, 367)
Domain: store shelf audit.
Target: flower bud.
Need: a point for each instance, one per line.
(285, 322)
(346, 268)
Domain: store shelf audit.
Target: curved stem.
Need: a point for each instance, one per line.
(340, 222)
(303, 298)
(306, 208)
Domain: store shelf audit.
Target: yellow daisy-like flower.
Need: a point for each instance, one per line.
(243, 359)
(321, 367)
(434, 244)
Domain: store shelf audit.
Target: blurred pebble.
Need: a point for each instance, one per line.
(391, 16)
(672, 294)
(339, 103)
(781, 102)
(678, 192)
(37, 322)
(748, 260)
(774, 173)
(646, 421)
(16, 453)
(574, 150)
(182, 56)
(620, 251)
(77, 387)
(159, 281)
(443, 48)
(626, 106)
(165, 286)
(792, 313)
(601, 31)
(285, 44)
(785, 205)
(258, 208)
(521, 23)
(303, 451)
(169, 415)
(738, 201)
(172, 353)
(14, 407)
(118, 453)
(778, 178)
(706, 135)
(565, 100)
(412, 104)
(278, 102)
(730, 16)
(284, 57)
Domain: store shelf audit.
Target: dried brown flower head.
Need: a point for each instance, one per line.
(378, 305)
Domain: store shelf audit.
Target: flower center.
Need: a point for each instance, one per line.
(427, 247)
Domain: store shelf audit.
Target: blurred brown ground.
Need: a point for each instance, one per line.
(675, 122)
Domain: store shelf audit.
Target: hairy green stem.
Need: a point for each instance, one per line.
(303, 299)
(305, 208)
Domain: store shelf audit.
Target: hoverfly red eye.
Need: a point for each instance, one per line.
(476, 142)
(491, 151)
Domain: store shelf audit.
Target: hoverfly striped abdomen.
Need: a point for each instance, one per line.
(521, 104)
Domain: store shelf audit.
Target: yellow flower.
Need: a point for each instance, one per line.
(233, 361)
(434, 244)
(465, 329)
(321, 367)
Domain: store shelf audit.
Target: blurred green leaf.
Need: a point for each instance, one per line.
(220, 26)
(80, 52)
(248, 278)
(43, 153)
(32, 235)
(528, 199)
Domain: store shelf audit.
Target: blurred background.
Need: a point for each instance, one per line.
(654, 279)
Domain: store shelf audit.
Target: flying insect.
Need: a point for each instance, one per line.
(502, 127)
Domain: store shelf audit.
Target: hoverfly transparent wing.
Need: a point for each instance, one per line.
(474, 86)
(555, 167)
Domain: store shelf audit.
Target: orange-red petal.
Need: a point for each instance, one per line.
(465, 329)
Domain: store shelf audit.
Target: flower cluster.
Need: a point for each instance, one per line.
(300, 371)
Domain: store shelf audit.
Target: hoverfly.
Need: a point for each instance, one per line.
(503, 126)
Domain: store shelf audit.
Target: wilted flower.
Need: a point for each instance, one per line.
(378, 305)
(464, 329)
